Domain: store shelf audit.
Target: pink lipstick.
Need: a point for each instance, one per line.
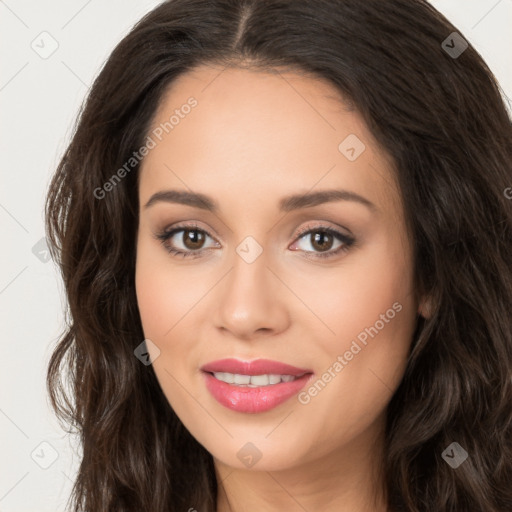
(253, 386)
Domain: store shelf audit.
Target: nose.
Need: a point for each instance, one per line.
(250, 301)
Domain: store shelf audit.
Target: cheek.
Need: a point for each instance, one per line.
(371, 313)
(156, 304)
(170, 299)
(374, 320)
(366, 285)
(164, 292)
(165, 296)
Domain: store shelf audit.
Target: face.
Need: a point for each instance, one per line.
(275, 269)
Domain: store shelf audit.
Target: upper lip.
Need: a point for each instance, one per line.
(256, 367)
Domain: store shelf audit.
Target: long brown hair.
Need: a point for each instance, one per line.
(440, 117)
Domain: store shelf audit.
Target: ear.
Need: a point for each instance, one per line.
(425, 307)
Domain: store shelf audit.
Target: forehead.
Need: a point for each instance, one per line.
(252, 132)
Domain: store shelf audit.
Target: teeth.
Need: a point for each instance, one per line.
(252, 381)
(258, 380)
(274, 379)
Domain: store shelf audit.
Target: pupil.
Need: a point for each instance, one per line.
(319, 241)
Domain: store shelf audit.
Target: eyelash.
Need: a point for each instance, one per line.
(348, 241)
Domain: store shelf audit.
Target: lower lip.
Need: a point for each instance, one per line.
(253, 400)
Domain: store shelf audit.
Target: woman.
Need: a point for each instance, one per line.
(285, 237)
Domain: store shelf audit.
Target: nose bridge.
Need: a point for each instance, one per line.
(250, 266)
(249, 257)
(248, 279)
(248, 300)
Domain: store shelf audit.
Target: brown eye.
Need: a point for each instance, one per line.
(193, 239)
(322, 241)
(185, 241)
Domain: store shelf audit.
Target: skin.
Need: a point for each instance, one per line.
(253, 138)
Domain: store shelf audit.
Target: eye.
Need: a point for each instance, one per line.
(192, 240)
(323, 240)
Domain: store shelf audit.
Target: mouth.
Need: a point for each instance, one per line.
(253, 386)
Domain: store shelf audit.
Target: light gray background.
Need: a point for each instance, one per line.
(39, 98)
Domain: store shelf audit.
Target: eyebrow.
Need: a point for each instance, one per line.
(286, 204)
